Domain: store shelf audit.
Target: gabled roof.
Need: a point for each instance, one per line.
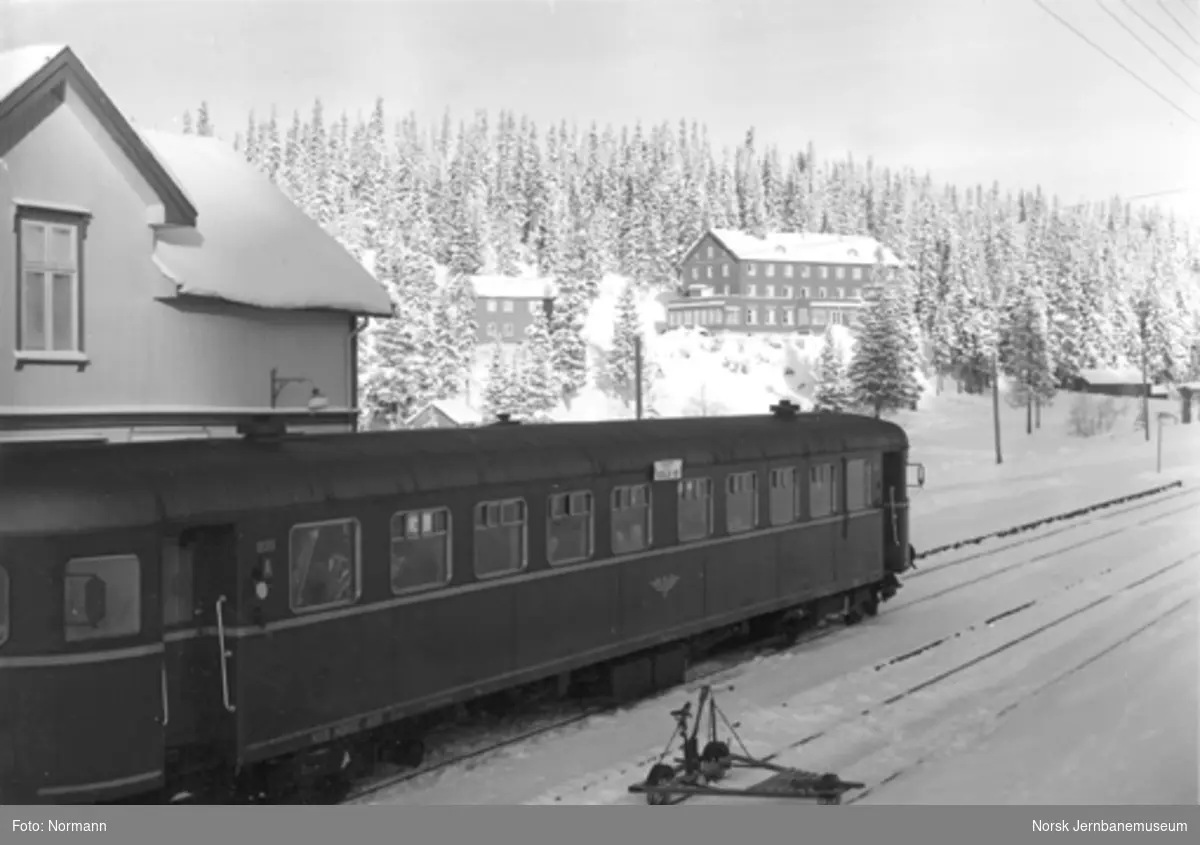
(27, 74)
(801, 248)
(454, 409)
(252, 245)
(512, 287)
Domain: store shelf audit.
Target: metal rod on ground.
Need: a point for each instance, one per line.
(637, 372)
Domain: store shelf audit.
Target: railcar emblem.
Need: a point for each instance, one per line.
(663, 584)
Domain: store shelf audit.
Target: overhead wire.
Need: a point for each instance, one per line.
(1194, 13)
(1161, 34)
(1115, 61)
(1152, 51)
(1185, 30)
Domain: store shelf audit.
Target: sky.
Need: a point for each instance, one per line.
(972, 91)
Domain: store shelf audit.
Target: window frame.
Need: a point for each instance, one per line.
(730, 480)
(591, 524)
(356, 568)
(5, 606)
(793, 504)
(185, 570)
(833, 497)
(708, 533)
(475, 528)
(77, 221)
(125, 557)
(448, 546)
(614, 507)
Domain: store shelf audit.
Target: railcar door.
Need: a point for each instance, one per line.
(201, 621)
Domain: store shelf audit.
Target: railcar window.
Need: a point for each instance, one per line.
(420, 549)
(741, 502)
(822, 490)
(784, 495)
(631, 513)
(695, 509)
(3, 605)
(861, 488)
(177, 571)
(569, 527)
(102, 597)
(500, 537)
(326, 563)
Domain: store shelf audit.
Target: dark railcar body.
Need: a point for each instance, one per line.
(193, 656)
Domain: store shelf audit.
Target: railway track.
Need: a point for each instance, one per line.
(734, 661)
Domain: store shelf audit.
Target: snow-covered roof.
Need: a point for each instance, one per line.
(17, 66)
(1109, 375)
(513, 287)
(455, 409)
(804, 248)
(252, 245)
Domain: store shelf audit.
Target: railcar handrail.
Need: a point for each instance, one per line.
(166, 704)
(225, 655)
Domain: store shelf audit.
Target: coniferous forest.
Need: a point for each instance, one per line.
(1007, 271)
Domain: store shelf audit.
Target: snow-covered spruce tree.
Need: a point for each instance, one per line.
(539, 382)
(203, 121)
(834, 391)
(627, 331)
(883, 369)
(503, 392)
(568, 347)
(1027, 359)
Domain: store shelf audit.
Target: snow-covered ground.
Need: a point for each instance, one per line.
(824, 687)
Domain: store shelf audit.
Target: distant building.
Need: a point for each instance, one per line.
(1107, 381)
(156, 285)
(445, 413)
(784, 282)
(505, 306)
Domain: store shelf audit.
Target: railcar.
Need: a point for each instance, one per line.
(280, 604)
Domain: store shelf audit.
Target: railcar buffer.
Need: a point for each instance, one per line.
(697, 770)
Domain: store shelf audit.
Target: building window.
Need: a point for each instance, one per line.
(857, 293)
(822, 293)
(856, 273)
(508, 330)
(818, 316)
(787, 271)
(731, 316)
(176, 564)
(491, 329)
(420, 550)
(710, 252)
(325, 564)
(822, 490)
(507, 306)
(751, 269)
(787, 292)
(804, 272)
(741, 502)
(770, 316)
(824, 272)
(841, 293)
(726, 291)
(785, 497)
(725, 270)
(533, 307)
(491, 306)
(695, 508)
(695, 272)
(751, 290)
(50, 294)
(770, 291)
(569, 527)
(804, 293)
(3, 605)
(631, 512)
(802, 316)
(751, 316)
(708, 272)
(501, 539)
(863, 489)
(841, 272)
(770, 270)
(718, 316)
(787, 316)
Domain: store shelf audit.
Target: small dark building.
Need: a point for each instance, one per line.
(445, 413)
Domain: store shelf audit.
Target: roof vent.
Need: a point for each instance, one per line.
(785, 410)
(780, 248)
(853, 251)
(262, 429)
(505, 419)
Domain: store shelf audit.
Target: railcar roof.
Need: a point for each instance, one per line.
(122, 485)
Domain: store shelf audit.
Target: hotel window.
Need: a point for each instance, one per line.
(856, 273)
(787, 316)
(804, 271)
(818, 317)
(508, 306)
(49, 296)
(805, 293)
(770, 270)
(770, 292)
(533, 307)
(725, 270)
(857, 293)
(491, 306)
(751, 316)
(770, 316)
(787, 292)
(708, 272)
(841, 272)
(841, 293)
(731, 316)
(751, 270)
(751, 290)
(822, 293)
(824, 272)
(710, 252)
(727, 290)
(491, 329)
(508, 330)
(695, 272)
(802, 317)
(787, 271)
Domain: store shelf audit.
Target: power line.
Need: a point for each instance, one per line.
(1115, 61)
(1162, 34)
(1186, 31)
(1195, 14)
(1141, 41)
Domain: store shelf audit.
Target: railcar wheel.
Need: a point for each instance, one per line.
(714, 760)
(871, 605)
(853, 616)
(660, 775)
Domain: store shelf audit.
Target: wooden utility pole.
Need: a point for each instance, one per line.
(637, 372)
